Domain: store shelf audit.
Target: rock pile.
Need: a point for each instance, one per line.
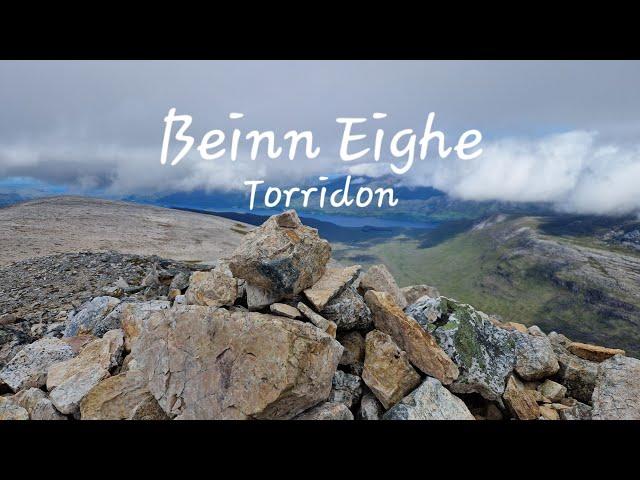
(277, 332)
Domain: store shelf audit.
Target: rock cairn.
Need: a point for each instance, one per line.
(278, 331)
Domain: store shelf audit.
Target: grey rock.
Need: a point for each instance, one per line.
(370, 408)
(348, 311)
(318, 320)
(180, 282)
(11, 411)
(258, 297)
(90, 314)
(327, 411)
(575, 373)
(330, 285)
(346, 388)
(616, 395)
(579, 411)
(552, 390)
(535, 358)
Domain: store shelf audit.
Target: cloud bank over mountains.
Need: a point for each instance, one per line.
(561, 132)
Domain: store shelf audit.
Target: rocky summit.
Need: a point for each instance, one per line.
(278, 331)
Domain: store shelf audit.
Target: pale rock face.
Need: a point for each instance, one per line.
(121, 397)
(282, 256)
(370, 408)
(484, 353)
(520, 401)
(387, 372)
(415, 292)
(259, 298)
(212, 289)
(285, 310)
(89, 316)
(430, 401)
(207, 363)
(134, 318)
(29, 367)
(330, 285)
(348, 311)
(616, 395)
(593, 353)
(11, 411)
(379, 278)
(552, 390)
(327, 411)
(421, 348)
(318, 320)
(535, 358)
(346, 389)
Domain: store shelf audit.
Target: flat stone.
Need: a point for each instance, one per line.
(331, 284)
(379, 278)
(421, 348)
(593, 353)
(318, 320)
(285, 310)
(387, 372)
(327, 411)
(616, 395)
(212, 289)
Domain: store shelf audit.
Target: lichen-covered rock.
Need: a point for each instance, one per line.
(318, 320)
(579, 411)
(379, 278)
(387, 372)
(484, 353)
(9, 410)
(552, 390)
(421, 348)
(282, 256)
(330, 285)
(212, 289)
(348, 311)
(593, 353)
(616, 395)
(285, 310)
(36, 403)
(370, 408)
(259, 298)
(327, 411)
(89, 315)
(535, 358)
(134, 318)
(121, 397)
(415, 292)
(575, 373)
(208, 363)
(520, 401)
(430, 401)
(346, 388)
(29, 367)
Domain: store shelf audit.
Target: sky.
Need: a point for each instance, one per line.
(565, 132)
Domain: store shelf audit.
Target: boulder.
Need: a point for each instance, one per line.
(348, 311)
(346, 389)
(552, 390)
(593, 353)
(259, 298)
(387, 372)
(11, 411)
(29, 367)
(579, 411)
(378, 278)
(415, 292)
(71, 380)
(318, 320)
(212, 289)
(134, 318)
(616, 395)
(327, 411)
(484, 353)
(520, 401)
(535, 358)
(430, 401)
(208, 363)
(180, 281)
(282, 256)
(575, 373)
(421, 348)
(121, 397)
(89, 316)
(370, 408)
(330, 285)
(285, 310)
(36, 403)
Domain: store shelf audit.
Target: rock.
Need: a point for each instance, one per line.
(415, 292)
(535, 358)
(378, 278)
(484, 353)
(285, 310)
(535, 331)
(552, 390)
(579, 411)
(8, 319)
(79, 342)
(121, 397)
(548, 413)
(421, 348)
(353, 353)
(593, 353)
(10, 411)
(330, 285)
(71, 380)
(134, 318)
(91, 313)
(521, 402)
(180, 300)
(208, 363)
(258, 298)
(180, 282)
(346, 389)
(616, 395)
(518, 327)
(36, 403)
(370, 408)
(282, 256)
(327, 411)
(348, 310)
(318, 320)
(492, 412)
(151, 279)
(575, 373)
(29, 367)
(430, 401)
(212, 289)
(387, 372)
(173, 294)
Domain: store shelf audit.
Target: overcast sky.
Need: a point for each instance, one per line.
(566, 132)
